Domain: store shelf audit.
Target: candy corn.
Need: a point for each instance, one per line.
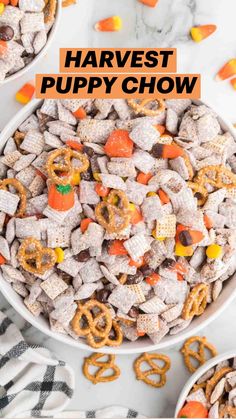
(189, 237)
(3, 48)
(167, 151)
(144, 178)
(150, 3)
(25, 94)
(198, 33)
(233, 83)
(228, 70)
(111, 24)
(80, 113)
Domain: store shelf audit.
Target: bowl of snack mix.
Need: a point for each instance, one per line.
(210, 392)
(118, 220)
(27, 28)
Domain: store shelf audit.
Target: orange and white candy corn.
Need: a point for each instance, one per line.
(3, 48)
(150, 3)
(198, 33)
(25, 94)
(111, 24)
(227, 71)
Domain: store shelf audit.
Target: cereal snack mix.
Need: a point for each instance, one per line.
(117, 218)
(24, 29)
(213, 395)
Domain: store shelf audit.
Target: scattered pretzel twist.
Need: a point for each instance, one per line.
(17, 185)
(217, 176)
(113, 216)
(199, 355)
(93, 320)
(103, 366)
(154, 369)
(196, 302)
(141, 106)
(35, 258)
(62, 173)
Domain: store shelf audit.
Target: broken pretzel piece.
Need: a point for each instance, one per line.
(143, 107)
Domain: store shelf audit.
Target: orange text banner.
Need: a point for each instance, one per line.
(114, 60)
(167, 86)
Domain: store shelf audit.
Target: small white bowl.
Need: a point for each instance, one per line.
(141, 345)
(43, 51)
(195, 377)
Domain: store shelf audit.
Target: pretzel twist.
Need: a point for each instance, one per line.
(103, 366)
(31, 255)
(154, 369)
(199, 355)
(62, 173)
(114, 217)
(93, 320)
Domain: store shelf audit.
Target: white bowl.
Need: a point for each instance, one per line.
(195, 377)
(43, 51)
(141, 345)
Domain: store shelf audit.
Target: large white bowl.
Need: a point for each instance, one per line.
(144, 344)
(195, 377)
(43, 51)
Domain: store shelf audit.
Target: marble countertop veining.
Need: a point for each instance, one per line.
(166, 25)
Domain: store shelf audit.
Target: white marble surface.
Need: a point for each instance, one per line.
(167, 25)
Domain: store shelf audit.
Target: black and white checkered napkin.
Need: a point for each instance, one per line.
(32, 382)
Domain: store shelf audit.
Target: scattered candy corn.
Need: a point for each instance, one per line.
(153, 278)
(80, 113)
(25, 94)
(163, 196)
(150, 3)
(227, 71)
(198, 33)
(166, 151)
(111, 24)
(233, 83)
(85, 223)
(144, 178)
(137, 263)
(117, 248)
(2, 7)
(101, 190)
(3, 48)
(189, 237)
(75, 145)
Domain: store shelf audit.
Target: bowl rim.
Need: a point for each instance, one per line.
(144, 345)
(41, 53)
(200, 371)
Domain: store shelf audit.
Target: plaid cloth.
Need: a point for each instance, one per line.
(115, 412)
(32, 383)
